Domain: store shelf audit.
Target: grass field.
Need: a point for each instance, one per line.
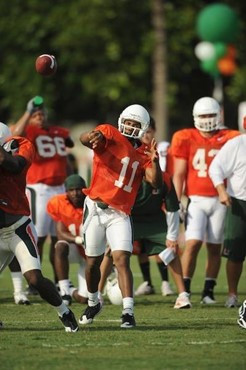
(200, 338)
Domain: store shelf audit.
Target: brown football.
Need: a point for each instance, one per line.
(46, 65)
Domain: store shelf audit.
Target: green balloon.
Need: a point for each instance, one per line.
(218, 23)
(220, 49)
(210, 66)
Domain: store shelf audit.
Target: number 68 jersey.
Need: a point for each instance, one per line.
(199, 152)
(118, 170)
(49, 165)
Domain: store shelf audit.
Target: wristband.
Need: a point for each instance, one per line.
(79, 240)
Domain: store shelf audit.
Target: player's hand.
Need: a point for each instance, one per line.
(225, 199)
(152, 151)
(30, 106)
(79, 240)
(95, 137)
(172, 244)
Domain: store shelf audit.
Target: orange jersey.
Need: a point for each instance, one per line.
(199, 152)
(118, 170)
(50, 164)
(61, 209)
(12, 186)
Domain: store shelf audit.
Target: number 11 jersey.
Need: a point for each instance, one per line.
(118, 170)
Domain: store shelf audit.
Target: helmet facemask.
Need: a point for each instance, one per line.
(206, 113)
(207, 123)
(135, 113)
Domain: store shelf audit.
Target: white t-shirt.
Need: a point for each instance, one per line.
(230, 164)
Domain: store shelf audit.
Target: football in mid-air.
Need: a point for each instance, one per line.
(46, 65)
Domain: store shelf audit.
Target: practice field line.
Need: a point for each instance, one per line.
(200, 343)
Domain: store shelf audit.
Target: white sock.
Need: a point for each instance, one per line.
(93, 299)
(128, 304)
(17, 282)
(64, 287)
(183, 294)
(61, 309)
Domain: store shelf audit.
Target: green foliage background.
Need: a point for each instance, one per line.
(104, 50)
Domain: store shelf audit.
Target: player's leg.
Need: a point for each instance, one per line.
(119, 236)
(233, 272)
(215, 231)
(183, 298)
(80, 295)
(6, 257)
(106, 269)
(234, 247)
(23, 245)
(95, 245)
(146, 287)
(196, 223)
(166, 289)
(17, 280)
(61, 263)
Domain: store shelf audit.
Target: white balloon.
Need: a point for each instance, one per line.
(204, 50)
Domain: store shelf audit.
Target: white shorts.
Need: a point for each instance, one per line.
(205, 219)
(38, 196)
(20, 240)
(74, 256)
(105, 226)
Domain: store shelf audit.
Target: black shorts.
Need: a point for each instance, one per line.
(234, 246)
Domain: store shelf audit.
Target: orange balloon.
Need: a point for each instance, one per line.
(226, 66)
(231, 52)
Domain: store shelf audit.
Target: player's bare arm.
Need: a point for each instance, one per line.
(93, 139)
(180, 171)
(13, 164)
(64, 234)
(153, 175)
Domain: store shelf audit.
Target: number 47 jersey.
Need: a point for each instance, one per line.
(50, 163)
(199, 152)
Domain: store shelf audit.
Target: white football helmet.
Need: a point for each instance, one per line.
(136, 113)
(113, 291)
(5, 133)
(204, 106)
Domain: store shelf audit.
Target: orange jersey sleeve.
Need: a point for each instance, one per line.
(12, 186)
(199, 152)
(118, 170)
(50, 162)
(60, 209)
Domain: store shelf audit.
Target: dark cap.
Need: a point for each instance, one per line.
(74, 182)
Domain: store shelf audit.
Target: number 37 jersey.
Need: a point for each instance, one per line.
(199, 152)
(50, 163)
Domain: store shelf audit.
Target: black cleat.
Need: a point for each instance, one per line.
(69, 322)
(128, 321)
(89, 314)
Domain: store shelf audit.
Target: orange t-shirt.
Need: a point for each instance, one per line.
(118, 170)
(62, 210)
(199, 152)
(12, 186)
(50, 163)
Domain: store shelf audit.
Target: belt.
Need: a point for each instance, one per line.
(102, 205)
